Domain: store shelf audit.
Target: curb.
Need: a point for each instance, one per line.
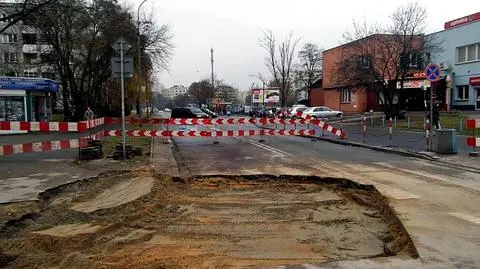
(389, 150)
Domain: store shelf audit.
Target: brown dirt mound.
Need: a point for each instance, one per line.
(141, 220)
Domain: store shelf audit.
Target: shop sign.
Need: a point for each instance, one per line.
(462, 21)
(475, 81)
(419, 75)
(16, 83)
(410, 84)
(257, 96)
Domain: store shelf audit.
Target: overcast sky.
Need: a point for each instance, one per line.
(233, 28)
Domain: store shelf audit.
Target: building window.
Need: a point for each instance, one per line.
(468, 53)
(29, 57)
(9, 38)
(30, 39)
(9, 57)
(346, 96)
(411, 61)
(364, 62)
(12, 108)
(3, 18)
(462, 92)
(29, 74)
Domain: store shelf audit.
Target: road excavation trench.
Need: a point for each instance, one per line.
(141, 220)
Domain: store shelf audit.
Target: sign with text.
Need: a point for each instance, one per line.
(475, 81)
(462, 21)
(272, 95)
(257, 96)
(410, 84)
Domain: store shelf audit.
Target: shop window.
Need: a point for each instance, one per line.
(12, 108)
(9, 38)
(468, 53)
(462, 92)
(9, 57)
(346, 96)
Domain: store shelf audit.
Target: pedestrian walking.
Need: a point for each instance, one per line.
(89, 115)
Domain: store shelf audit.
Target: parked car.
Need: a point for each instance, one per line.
(209, 112)
(257, 112)
(188, 112)
(296, 109)
(323, 112)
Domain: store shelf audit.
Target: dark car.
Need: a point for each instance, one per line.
(258, 112)
(188, 112)
(209, 112)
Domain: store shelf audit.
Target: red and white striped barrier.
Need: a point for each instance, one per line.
(473, 141)
(136, 120)
(323, 125)
(165, 133)
(44, 146)
(44, 126)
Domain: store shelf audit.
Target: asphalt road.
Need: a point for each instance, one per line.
(438, 203)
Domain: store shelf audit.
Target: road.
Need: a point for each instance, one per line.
(438, 204)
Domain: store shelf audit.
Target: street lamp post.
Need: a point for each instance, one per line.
(139, 82)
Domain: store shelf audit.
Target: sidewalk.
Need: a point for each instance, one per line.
(404, 142)
(162, 159)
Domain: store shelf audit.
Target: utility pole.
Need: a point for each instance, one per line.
(213, 76)
(139, 84)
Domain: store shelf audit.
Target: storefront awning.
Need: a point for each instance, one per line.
(29, 84)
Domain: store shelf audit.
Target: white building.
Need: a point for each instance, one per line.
(175, 91)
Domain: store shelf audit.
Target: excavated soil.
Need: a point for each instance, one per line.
(141, 220)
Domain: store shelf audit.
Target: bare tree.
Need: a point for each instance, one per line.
(379, 58)
(310, 66)
(14, 12)
(279, 61)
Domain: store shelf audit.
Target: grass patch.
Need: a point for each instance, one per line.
(456, 121)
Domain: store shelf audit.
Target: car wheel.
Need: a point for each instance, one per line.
(339, 115)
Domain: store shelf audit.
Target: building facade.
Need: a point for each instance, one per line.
(22, 52)
(460, 60)
(349, 68)
(175, 91)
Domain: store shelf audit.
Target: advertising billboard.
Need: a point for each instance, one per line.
(257, 96)
(272, 96)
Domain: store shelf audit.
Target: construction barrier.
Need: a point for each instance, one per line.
(233, 133)
(44, 146)
(44, 126)
(473, 141)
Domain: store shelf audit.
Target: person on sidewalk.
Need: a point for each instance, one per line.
(89, 115)
(436, 116)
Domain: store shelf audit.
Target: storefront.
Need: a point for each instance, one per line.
(26, 99)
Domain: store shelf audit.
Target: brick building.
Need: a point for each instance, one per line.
(351, 70)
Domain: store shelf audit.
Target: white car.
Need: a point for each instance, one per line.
(323, 112)
(296, 109)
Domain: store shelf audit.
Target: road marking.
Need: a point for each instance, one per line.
(279, 153)
(465, 217)
(271, 149)
(429, 176)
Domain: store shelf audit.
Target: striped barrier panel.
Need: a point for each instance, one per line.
(233, 133)
(44, 126)
(473, 141)
(44, 146)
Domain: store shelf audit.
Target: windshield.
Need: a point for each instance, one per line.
(196, 110)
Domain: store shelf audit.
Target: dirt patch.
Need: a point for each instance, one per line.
(141, 220)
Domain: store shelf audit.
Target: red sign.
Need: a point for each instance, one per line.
(475, 81)
(462, 21)
(420, 75)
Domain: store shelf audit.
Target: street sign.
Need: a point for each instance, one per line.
(125, 46)
(127, 66)
(433, 72)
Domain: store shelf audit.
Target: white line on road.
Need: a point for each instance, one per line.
(269, 148)
(466, 217)
(429, 176)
